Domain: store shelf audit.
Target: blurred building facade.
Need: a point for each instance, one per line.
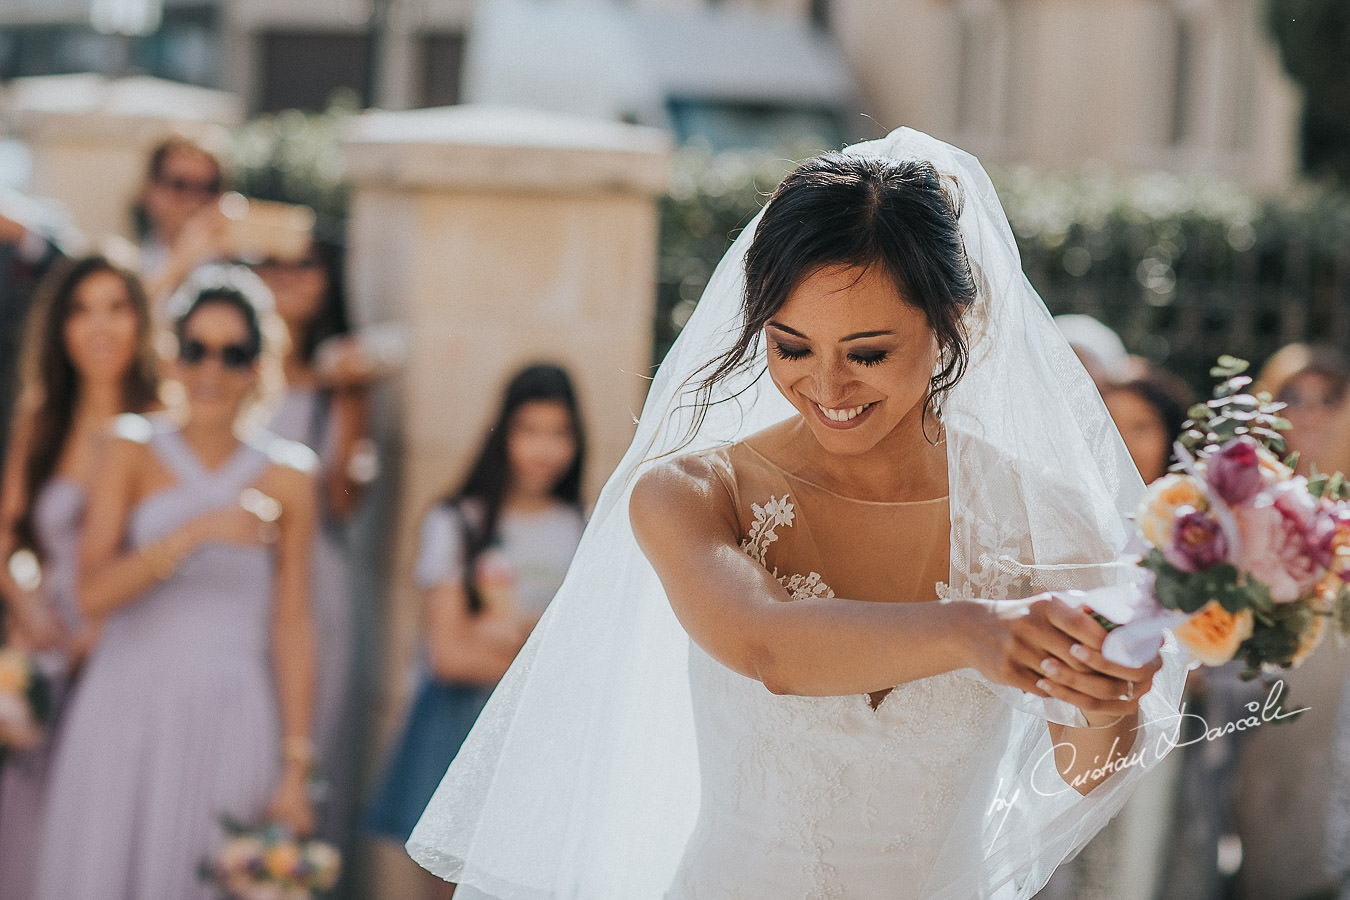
(1182, 85)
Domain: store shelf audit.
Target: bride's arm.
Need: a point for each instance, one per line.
(735, 610)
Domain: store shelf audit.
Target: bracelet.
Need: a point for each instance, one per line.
(162, 563)
(1120, 718)
(297, 748)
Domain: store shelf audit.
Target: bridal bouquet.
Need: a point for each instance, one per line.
(1247, 560)
(270, 864)
(25, 700)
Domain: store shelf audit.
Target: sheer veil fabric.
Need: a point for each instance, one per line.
(581, 778)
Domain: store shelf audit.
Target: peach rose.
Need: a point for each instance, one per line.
(1272, 470)
(13, 672)
(1323, 596)
(282, 860)
(1165, 496)
(1213, 634)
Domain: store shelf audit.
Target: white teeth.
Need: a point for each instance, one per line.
(842, 415)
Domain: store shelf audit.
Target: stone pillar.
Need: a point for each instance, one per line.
(90, 138)
(499, 237)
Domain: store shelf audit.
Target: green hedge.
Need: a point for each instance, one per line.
(1185, 268)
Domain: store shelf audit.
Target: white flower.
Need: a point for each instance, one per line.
(781, 511)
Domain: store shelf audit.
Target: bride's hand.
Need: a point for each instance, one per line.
(1048, 648)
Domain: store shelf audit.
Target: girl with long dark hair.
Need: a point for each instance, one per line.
(492, 554)
(88, 356)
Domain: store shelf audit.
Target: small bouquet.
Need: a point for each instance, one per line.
(25, 701)
(268, 863)
(1247, 560)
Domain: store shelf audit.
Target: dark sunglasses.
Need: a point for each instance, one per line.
(231, 356)
(187, 186)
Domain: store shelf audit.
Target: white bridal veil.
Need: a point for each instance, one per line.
(581, 777)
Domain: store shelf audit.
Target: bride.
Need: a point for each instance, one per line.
(794, 687)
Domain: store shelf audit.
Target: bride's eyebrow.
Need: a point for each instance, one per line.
(857, 335)
(792, 331)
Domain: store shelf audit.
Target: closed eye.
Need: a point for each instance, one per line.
(869, 359)
(785, 351)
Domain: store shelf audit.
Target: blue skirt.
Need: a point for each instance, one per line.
(440, 718)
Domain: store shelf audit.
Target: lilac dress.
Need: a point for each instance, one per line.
(304, 416)
(174, 721)
(57, 514)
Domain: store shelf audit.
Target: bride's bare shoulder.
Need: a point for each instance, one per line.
(687, 489)
(688, 474)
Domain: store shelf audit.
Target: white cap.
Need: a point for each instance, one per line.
(1101, 349)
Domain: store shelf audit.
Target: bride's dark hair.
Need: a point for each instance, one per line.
(844, 210)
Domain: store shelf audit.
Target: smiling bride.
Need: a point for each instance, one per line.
(810, 646)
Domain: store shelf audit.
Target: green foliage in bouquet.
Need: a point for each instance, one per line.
(1189, 592)
(1234, 412)
(1276, 638)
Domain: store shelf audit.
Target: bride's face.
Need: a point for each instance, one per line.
(852, 356)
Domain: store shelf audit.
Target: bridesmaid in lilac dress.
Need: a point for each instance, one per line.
(196, 702)
(88, 357)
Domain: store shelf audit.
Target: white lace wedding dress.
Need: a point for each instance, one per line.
(834, 797)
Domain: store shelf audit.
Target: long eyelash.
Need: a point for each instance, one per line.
(785, 353)
(874, 360)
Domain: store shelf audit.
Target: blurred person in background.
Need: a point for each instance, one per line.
(178, 214)
(1149, 410)
(1336, 851)
(32, 238)
(1284, 774)
(1195, 786)
(1148, 407)
(197, 700)
(492, 555)
(326, 406)
(88, 356)
(1310, 379)
(1098, 348)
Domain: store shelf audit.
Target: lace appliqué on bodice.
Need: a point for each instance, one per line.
(824, 797)
(778, 513)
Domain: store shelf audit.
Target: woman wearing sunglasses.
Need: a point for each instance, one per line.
(177, 215)
(196, 704)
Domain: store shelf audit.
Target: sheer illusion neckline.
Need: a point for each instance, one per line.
(820, 487)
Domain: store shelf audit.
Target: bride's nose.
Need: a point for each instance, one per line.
(830, 382)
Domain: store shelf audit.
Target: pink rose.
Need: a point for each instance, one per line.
(1325, 533)
(1275, 543)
